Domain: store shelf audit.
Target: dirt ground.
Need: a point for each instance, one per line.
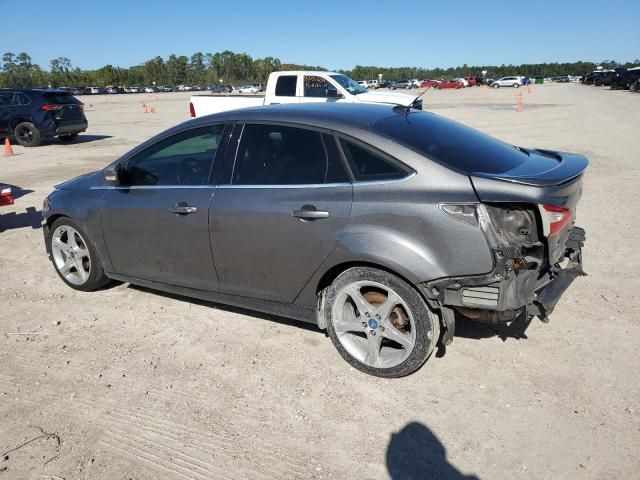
(141, 385)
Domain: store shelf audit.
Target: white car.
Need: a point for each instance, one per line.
(248, 89)
(514, 82)
(301, 87)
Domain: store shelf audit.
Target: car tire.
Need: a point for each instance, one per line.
(68, 138)
(27, 135)
(495, 85)
(83, 270)
(516, 85)
(391, 338)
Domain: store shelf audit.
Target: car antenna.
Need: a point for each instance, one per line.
(406, 108)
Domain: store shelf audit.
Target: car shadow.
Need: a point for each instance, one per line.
(81, 139)
(229, 308)
(415, 453)
(12, 220)
(468, 328)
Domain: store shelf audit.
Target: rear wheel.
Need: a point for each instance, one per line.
(27, 135)
(68, 138)
(379, 323)
(516, 85)
(74, 256)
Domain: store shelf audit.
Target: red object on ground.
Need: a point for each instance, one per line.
(8, 151)
(429, 83)
(6, 196)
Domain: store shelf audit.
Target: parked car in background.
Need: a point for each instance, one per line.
(150, 90)
(363, 83)
(449, 84)
(405, 84)
(384, 83)
(374, 84)
(132, 90)
(375, 223)
(78, 91)
(6, 195)
(625, 78)
(97, 90)
(114, 90)
(429, 83)
(605, 78)
(248, 89)
(29, 116)
(220, 89)
(301, 87)
(514, 82)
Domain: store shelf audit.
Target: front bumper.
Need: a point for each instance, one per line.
(501, 294)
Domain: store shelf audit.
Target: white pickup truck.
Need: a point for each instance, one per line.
(300, 87)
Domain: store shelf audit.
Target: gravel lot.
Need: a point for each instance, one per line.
(143, 385)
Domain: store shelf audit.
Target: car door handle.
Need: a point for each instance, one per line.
(183, 209)
(309, 212)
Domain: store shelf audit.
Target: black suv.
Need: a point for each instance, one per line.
(625, 78)
(29, 116)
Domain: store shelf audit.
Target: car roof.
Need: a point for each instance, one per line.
(338, 116)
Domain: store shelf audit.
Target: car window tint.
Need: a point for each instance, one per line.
(22, 99)
(451, 143)
(286, 86)
(6, 99)
(61, 98)
(277, 155)
(315, 86)
(367, 165)
(336, 171)
(182, 159)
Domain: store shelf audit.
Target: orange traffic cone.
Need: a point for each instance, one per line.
(8, 151)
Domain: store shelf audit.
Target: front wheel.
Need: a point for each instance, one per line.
(74, 256)
(27, 135)
(379, 323)
(495, 85)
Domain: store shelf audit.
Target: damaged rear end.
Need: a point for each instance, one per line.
(527, 216)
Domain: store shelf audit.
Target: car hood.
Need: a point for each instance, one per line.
(82, 182)
(386, 97)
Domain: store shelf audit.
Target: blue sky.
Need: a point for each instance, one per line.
(335, 34)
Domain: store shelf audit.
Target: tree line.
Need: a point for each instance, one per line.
(18, 71)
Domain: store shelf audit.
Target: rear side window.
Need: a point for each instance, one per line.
(182, 159)
(277, 155)
(286, 86)
(451, 143)
(367, 165)
(21, 99)
(315, 86)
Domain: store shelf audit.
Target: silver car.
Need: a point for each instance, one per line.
(379, 224)
(514, 82)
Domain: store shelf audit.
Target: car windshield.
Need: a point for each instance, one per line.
(354, 88)
(451, 143)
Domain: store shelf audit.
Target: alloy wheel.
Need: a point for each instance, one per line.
(71, 255)
(374, 324)
(24, 134)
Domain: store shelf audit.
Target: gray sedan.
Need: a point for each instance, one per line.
(379, 224)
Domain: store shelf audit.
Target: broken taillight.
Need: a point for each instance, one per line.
(559, 218)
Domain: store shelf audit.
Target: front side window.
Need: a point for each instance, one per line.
(315, 86)
(286, 86)
(367, 165)
(182, 159)
(351, 86)
(277, 155)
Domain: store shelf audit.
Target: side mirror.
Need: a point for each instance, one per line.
(333, 93)
(112, 175)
